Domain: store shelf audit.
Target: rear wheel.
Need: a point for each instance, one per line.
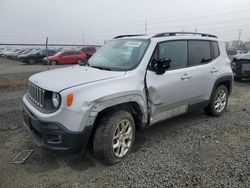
(219, 101)
(31, 61)
(114, 137)
(236, 78)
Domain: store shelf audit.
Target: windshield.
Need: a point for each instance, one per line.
(120, 55)
(35, 51)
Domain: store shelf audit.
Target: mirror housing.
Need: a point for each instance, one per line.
(83, 63)
(160, 66)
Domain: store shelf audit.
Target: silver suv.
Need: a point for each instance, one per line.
(131, 82)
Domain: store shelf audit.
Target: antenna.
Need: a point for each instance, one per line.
(47, 52)
(195, 30)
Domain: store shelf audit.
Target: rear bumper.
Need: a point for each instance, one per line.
(54, 136)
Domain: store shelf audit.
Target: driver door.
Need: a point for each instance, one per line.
(170, 92)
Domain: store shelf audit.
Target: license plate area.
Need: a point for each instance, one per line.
(245, 67)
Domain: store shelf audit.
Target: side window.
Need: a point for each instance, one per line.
(215, 49)
(65, 53)
(199, 52)
(51, 52)
(176, 51)
(75, 53)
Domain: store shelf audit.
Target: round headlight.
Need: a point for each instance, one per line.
(55, 100)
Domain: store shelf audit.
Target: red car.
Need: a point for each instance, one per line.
(89, 50)
(67, 57)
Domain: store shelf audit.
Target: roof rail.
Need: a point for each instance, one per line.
(121, 36)
(183, 33)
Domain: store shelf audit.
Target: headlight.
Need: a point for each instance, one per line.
(55, 99)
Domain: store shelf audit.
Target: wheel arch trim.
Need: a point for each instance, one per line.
(100, 106)
(219, 81)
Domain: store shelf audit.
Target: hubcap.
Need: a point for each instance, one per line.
(122, 138)
(220, 100)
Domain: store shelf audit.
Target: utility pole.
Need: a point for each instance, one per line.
(238, 42)
(146, 26)
(47, 61)
(82, 38)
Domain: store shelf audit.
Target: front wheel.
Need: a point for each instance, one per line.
(53, 62)
(219, 102)
(79, 61)
(114, 137)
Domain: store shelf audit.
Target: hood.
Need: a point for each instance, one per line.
(242, 56)
(63, 78)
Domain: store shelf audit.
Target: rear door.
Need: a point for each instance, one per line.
(64, 58)
(203, 69)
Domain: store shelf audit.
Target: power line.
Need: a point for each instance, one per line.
(172, 20)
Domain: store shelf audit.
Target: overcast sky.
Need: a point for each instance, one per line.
(93, 21)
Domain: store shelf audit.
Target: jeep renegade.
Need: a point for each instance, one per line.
(131, 82)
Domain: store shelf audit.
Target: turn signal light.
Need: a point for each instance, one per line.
(70, 98)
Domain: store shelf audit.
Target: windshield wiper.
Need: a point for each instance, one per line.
(101, 68)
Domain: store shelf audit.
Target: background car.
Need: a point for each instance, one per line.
(241, 66)
(89, 50)
(36, 56)
(67, 57)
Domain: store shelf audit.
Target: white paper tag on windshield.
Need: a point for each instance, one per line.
(133, 44)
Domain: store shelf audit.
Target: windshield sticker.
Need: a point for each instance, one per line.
(133, 44)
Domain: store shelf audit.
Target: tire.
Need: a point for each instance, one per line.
(219, 101)
(53, 62)
(111, 142)
(45, 63)
(78, 61)
(238, 79)
(31, 61)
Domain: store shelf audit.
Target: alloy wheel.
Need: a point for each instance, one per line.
(122, 138)
(220, 100)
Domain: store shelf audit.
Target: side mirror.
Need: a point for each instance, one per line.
(83, 63)
(160, 66)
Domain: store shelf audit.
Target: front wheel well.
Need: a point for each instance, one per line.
(132, 107)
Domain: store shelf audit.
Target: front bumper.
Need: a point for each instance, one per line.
(54, 136)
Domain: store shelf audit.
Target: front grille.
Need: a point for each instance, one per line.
(36, 94)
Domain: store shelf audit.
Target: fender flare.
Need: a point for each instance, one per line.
(221, 80)
(100, 105)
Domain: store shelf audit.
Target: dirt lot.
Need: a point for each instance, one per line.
(192, 150)
(14, 74)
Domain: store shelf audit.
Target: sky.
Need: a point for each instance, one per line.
(94, 21)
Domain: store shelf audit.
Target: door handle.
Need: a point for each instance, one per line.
(214, 70)
(186, 76)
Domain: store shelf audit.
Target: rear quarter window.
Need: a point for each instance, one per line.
(199, 52)
(215, 49)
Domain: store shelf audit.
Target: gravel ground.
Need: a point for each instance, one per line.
(192, 150)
